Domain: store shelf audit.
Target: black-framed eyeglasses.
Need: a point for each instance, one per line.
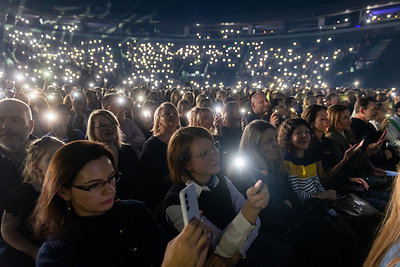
(213, 149)
(105, 125)
(97, 187)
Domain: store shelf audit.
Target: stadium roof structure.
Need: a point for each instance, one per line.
(160, 18)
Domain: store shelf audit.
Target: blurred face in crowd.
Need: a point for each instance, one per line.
(221, 96)
(321, 122)
(105, 129)
(169, 119)
(100, 198)
(371, 111)
(259, 104)
(344, 121)
(204, 160)
(147, 115)
(301, 137)
(115, 106)
(321, 100)
(269, 144)
(45, 159)
(280, 109)
(335, 100)
(207, 120)
(15, 125)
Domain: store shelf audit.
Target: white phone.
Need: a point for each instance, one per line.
(189, 204)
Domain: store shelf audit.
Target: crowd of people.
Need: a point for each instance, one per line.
(34, 56)
(283, 177)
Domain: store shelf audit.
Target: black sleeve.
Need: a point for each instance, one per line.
(146, 229)
(52, 254)
(19, 199)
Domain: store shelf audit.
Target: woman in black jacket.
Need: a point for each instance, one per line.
(103, 127)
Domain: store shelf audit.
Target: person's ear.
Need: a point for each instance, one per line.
(35, 167)
(64, 193)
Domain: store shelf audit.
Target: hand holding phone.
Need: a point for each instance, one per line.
(382, 137)
(189, 204)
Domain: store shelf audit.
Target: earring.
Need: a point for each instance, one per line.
(69, 206)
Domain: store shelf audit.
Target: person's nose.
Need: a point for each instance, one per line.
(108, 188)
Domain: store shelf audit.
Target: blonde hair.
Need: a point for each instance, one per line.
(110, 116)
(389, 232)
(157, 116)
(196, 115)
(250, 145)
(36, 150)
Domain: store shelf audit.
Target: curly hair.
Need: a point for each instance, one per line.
(286, 130)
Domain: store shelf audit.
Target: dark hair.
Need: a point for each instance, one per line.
(108, 99)
(396, 107)
(228, 113)
(334, 113)
(51, 217)
(71, 133)
(310, 113)
(274, 103)
(286, 130)
(363, 103)
(330, 96)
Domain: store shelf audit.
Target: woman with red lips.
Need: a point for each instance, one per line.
(103, 126)
(76, 210)
(86, 227)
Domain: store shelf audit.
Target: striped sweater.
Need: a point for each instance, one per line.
(303, 177)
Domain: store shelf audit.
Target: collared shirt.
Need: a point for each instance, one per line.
(393, 131)
(237, 236)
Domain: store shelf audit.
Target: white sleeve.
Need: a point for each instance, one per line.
(391, 136)
(240, 233)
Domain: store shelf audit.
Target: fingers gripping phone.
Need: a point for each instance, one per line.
(189, 204)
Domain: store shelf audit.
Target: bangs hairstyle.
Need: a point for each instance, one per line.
(310, 113)
(157, 116)
(34, 153)
(250, 145)
(178, 153)
(286, 130)
(196, 115)
(109, 116)
(51, 217)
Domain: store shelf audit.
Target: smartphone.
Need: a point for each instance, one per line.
(383, 136)
(189, 204)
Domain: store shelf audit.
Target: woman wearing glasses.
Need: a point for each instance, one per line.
(153, 158)
(86, 227)
(193, 159)
(103, 126)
